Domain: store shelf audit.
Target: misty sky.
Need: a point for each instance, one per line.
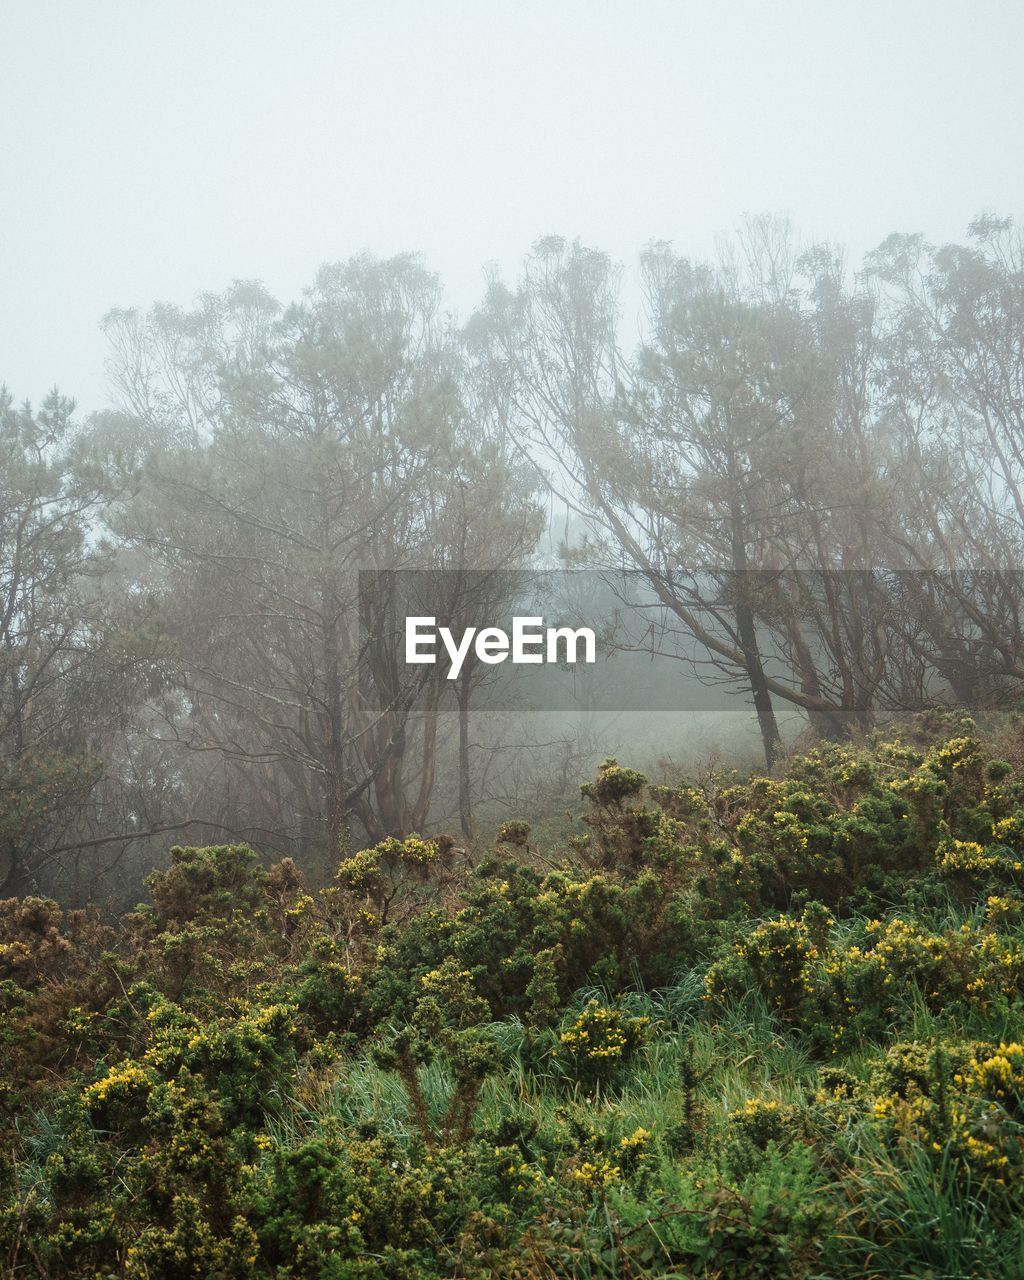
(154, 150)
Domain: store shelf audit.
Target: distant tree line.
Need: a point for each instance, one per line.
(818, 473)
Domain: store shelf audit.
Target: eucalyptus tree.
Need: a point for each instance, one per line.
(69, 671)
(682, 457)
(287, 451)
(954, 387)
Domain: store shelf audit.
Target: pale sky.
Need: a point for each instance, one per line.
(152, 149)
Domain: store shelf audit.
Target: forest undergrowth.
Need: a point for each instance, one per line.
(752, 1028)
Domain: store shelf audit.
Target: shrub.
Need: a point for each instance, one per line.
(599, 1043)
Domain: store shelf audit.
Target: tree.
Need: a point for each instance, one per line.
(286, 450)
(65, 682)
(953, 383)
(740, 462)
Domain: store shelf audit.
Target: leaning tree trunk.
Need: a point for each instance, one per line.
(746, 630)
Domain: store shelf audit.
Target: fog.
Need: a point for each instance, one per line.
(713, 313)
(158, 151)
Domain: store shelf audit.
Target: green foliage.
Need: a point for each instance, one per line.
(599, 1043)
(758, 1028)
(40, 794)
(864, 986)
(448, 1023)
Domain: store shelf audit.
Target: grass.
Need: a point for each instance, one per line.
(897, 1214)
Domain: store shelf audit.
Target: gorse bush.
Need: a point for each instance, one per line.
(845, 990)
(599, 1043)
(762, 1027)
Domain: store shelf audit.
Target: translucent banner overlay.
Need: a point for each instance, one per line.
(838, 644)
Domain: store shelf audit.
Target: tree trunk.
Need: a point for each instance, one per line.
(465, 789)
(334, 788)
(771, 739)
(746, 628)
